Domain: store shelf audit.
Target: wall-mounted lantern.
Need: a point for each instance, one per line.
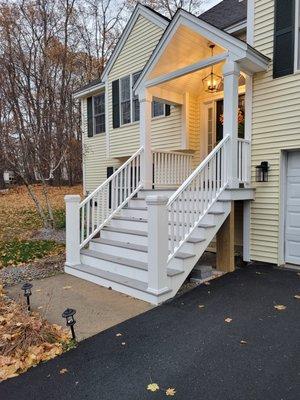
(262, 174)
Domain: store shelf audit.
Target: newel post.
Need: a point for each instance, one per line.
(72, 230)
(157, 243)
(231, 73)
(145, 138)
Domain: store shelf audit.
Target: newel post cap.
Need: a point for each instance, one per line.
(157, 200)
(72, 198)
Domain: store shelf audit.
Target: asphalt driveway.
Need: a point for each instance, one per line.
(189, 348)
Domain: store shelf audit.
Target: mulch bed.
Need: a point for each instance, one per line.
(49, 266)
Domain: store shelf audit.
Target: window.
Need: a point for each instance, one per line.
(126, 105)
(125, 95)
(158, 109)
(99, 113)
(135, 99)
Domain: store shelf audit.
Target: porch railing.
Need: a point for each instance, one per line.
(243, 157)
(103, 203)
(196, 195)
(171, 168)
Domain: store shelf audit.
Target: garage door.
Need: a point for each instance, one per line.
(292, 222)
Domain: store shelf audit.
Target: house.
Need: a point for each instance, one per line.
(190, 138)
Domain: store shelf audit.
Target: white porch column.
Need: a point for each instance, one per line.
(145, 138)
(231, 73)
(158, 239)
(72, 230)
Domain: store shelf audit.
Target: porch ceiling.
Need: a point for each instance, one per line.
(186, 47)
(190, 83)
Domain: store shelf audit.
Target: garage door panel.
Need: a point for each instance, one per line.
(292, 220)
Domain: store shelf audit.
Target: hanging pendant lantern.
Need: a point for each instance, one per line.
(212, 81)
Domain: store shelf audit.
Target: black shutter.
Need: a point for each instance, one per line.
(167, 109)
(90, 116)
(116, 104)
(109, 172)
(284, 34)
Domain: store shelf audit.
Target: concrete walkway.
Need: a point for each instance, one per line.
(187, 345)
(97, 308)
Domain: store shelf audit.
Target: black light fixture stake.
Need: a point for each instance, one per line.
(27, 293)
(70, 321)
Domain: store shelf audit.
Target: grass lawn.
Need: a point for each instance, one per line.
(19, 222)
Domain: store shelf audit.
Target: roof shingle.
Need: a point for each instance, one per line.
(226, 13)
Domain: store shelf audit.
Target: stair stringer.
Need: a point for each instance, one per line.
(175, 282)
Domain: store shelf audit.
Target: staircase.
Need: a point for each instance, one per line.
(146, 242)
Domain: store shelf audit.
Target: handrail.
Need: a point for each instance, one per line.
(197, 170)
(194, 198)
(110, 197)
(127, 162)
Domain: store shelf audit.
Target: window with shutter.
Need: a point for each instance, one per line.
(99, 113)
(284, 34)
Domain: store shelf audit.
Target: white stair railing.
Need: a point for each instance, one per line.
(196, 195)
(104, 202)
(243, 157)
(171, 168)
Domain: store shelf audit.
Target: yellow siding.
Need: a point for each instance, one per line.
(94, 155)
(276, 126)
(124, 141)
(166, 132)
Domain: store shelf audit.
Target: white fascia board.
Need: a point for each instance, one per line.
(89, 91)
(139, 10)
(239, 26)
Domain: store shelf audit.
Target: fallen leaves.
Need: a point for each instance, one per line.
(201, 306)
(153, 387)
(119, 334)
(170, 392)
(63, 371)
(297, 296)
(280, 307)
(67, 287)
(243, 342)
(26, 339)
(228, 320)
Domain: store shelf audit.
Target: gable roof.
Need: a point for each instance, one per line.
(239, 48)
(139, 10)
(226, 13)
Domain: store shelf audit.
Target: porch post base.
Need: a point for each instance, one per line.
(225, 244)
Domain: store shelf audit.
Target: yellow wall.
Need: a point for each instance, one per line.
(124, 141)
(276, 126)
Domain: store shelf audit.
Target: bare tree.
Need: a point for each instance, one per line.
(169, 7)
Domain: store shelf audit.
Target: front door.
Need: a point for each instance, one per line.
(292, 220)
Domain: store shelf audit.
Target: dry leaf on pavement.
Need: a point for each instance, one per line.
(170, 392)
(153, 387)
(201, 305)
(63, 371)
(280, 307)
(67, 287)
(297, 296)
(119, 334)
(243, 342)
(228, 320)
